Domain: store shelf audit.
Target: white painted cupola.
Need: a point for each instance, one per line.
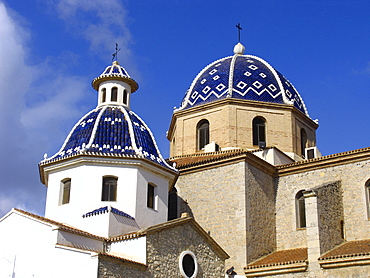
(109, 177)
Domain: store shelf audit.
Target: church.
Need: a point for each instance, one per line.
(245, 192)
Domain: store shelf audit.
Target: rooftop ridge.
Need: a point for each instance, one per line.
(322, 158)
(61, 226)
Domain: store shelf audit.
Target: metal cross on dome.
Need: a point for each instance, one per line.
(239, 29)
(115, 54)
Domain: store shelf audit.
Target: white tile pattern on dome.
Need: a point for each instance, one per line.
(242, 77)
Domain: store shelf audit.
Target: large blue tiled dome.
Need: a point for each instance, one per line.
(242, 77)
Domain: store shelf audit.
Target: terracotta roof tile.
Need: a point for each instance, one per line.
(125, 236)
(282, 257)
(200, 158)
(348, 249)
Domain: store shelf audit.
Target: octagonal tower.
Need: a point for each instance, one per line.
(241, 101)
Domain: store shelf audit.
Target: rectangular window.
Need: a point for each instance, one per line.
(150, 202)
(65, 191)
(114, 94)
(310, 154)
(109, 190)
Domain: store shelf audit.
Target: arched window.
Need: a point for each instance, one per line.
(367, 195)
(151, 196)
(114, 94)
(303, 142)
(172, 204)
(202, 134)
(124, 96)
(300, 210)
(109, 189)
(65, 191)
(259, 131)
(103, 95)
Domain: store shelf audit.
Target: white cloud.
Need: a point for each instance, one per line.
(101, 22)
(37, 102)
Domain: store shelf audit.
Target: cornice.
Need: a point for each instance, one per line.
(359, 259)
(324, 161)
(102, 158)
(277, 269)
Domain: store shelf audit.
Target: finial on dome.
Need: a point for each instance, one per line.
(239, 49)
(239, 29)
(115, 54)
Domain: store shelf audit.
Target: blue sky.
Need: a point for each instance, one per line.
(51, 50)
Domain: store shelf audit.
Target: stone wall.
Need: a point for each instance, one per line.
(216, 198)
(116, 268)
(260, 216)
(352, 176)
(164, 248)
(330, 215)
(236, 204)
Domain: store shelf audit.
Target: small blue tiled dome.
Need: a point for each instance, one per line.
(242, 77)
(115, 72)
(111, 130)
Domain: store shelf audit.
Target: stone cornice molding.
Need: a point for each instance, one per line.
(324, 161)
(345, 261)
(276, 269)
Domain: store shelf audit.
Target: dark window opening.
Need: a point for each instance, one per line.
(125, 96)
(66, 191)
(104, 95)
(203, 134)
(150, 202)
(367, 195)
(109, 192)
(259, 131)
(188, 265)
(310, 153)
(114, 94)
(300, 210)
(303, 142)
(172, 204)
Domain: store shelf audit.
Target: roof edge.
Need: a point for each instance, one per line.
(187, 220)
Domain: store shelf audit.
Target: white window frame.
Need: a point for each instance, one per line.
(182, 255)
